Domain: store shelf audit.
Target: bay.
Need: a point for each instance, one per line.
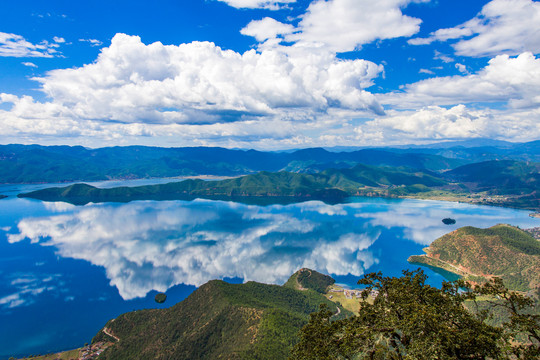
(65, 270)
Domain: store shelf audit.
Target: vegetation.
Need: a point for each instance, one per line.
(160, 298)
(308, 279)
(41, 164)
(499, 177)
(66, 355)
(411, 320)
(449, 221)
(332, 186)
(218, 320)
(480, 254)
(509, 183)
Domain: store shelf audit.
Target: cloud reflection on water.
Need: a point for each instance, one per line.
(146, 246)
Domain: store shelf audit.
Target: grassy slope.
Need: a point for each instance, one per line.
(308, 279)
(65, 355)
(217, 321)
(501, 250)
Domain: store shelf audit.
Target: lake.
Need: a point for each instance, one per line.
(66, 270)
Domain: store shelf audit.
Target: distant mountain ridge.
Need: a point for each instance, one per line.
(42, 164)
(475, 150)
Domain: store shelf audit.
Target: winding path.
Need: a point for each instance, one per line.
(107, 331)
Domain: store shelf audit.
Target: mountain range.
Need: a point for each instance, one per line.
(47, 164)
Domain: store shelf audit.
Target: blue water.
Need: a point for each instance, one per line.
(66, 270)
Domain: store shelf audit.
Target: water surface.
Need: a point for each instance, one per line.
(66, 270)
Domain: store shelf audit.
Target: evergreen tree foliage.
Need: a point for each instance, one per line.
(409, 319)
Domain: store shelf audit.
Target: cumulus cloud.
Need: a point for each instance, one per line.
(193, 93)
(512, 80)
(257, 4)
(502, 27)
(346, 25)
(13, 45)
(457, 122)
(266, 28)
(173, 84)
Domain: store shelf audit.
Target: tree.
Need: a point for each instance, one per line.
(523, 321)
(410, 320)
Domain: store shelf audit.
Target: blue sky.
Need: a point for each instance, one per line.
(268, 74)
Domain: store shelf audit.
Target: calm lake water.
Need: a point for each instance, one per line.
(65, 270)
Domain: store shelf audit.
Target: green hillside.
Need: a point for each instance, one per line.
(499, 177)
(217, 321)
(479, 254)
(331, 186)
(308, 279)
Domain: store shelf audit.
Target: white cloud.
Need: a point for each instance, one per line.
(27, 287)
(257, 4)
(512, 80)
(92, 42)
(59, 40)
(443, 57)
(426, 71)
(346, 25)
(12, 45)
(502, 27)
(266, 28)
(196, 94)
(462, 68)
(457, 122)
(201, 83)
(155, 245)
(29, 64)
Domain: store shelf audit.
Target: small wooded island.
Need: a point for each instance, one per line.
(448, 221)
(160, 298)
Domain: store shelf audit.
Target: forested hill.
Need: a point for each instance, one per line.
(217, 321)
(502, 177)
(479, 254)
(330, 185)
(42, 164)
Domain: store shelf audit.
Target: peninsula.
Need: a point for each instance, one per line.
(480, 254)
